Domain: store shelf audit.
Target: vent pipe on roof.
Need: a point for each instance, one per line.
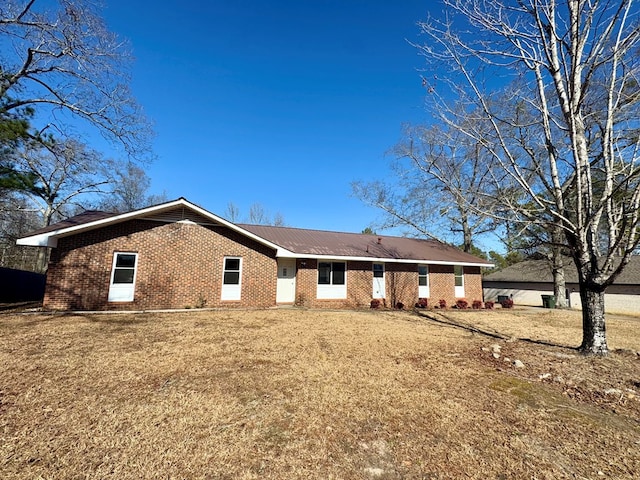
(379, 240)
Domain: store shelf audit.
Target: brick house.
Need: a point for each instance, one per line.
(178, 255)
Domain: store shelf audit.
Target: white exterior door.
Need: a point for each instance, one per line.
(123, 277)
(423, 281)
(286, 287)
(378, 280)
(458, 272)
(232, 279)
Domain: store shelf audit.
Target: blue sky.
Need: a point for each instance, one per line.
(282, 103)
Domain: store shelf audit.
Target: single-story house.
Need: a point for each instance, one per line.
(527, 281)
(179, 255)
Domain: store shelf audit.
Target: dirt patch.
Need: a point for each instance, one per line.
(315, 394)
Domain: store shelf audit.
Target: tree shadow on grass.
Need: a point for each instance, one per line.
(443, 319)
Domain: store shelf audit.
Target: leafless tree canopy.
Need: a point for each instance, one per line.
(257, 215)
(60, 59)
(438, 189)
(128, 190)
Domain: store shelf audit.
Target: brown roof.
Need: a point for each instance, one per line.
(308, 242)
(80, 219)
(539, 271)
(340, 244)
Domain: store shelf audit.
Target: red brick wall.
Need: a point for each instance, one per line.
(442, 284)
(179, 265)
(401, 285)
(473, 284)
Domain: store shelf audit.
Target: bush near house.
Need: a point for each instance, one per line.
(508, 303)
(422, 303)
(462, 304)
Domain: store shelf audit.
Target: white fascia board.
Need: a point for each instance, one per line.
(50, 239)
(383, 260)
(42, 240)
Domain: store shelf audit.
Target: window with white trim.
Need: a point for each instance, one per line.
(423, 281)
(232, 278)
(378, 270)
(123, 277)
(332, 280)
(331, 273)
(458, 273)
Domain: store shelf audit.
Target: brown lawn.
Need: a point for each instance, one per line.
(293, 394)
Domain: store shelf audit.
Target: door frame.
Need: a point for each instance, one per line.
(286, 285)
(379, 284)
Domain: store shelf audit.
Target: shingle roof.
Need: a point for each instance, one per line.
(340, 244)
(539, 271)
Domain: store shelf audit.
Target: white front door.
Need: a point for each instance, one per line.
(378, 280)
(458, 273)
(286, 287)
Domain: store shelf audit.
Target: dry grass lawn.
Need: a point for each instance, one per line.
(293, 394)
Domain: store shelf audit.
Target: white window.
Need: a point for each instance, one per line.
(232, 278)
(123, 277)
(423, 281)
(458, 272)
(332, 280)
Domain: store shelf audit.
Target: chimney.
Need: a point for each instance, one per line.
(379, 240)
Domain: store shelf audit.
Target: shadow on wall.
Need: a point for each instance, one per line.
(81, 282)
(20, 286)
(76, 284)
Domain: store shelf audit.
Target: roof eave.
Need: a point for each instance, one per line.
(381, 259)
(50, 239)
(41, 240)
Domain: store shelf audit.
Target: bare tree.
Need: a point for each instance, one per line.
(257, 215)
(60, 61)
(575, 64)
(63, 171)
(129, 190)
(16, 220)
(232, 213)
(438, 192)
(60, 173)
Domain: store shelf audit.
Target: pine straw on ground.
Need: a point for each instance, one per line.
(293, 394)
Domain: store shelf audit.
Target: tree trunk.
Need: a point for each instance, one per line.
(594, 338)
(467, 244)
(559, 286)
(557, 268)
(42, 260)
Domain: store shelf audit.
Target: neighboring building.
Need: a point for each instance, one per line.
(178, 255)
(527, 281)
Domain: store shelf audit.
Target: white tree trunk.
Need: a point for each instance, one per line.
(594, 338)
